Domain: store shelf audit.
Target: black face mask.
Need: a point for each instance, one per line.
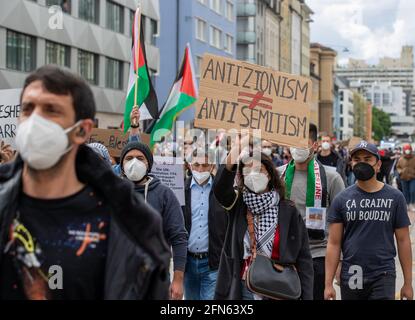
(363, 171)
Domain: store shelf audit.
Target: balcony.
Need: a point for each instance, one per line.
(246, 10)
(248, 37)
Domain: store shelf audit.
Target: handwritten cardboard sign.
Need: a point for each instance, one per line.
(9, 114)
(114, 140)
(240, 95)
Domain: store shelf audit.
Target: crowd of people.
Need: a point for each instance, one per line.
(118, 232)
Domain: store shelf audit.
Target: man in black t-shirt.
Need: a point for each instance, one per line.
(364, 219)
(70, 228)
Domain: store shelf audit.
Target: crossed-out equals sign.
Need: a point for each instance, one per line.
(254, 100)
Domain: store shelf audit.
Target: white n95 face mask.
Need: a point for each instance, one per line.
(201, 177)
(256, 182)
(267, 151)
(135, 170)
(300, 155)
(42, 142)
(325, 146)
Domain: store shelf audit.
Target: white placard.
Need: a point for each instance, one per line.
(315, 218)
(170, 171)
(9, 114)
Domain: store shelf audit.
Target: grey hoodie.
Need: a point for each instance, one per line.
(163, 200)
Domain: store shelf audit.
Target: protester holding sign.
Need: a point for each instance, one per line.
(136, 163)
(280, 232)
(206, 223)
(312, 187)
(364, 219)
(64, 213)
(133, 134)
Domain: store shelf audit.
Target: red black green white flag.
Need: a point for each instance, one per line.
(182, 95)
(140, 90)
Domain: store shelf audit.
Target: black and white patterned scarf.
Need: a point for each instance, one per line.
(264, 208)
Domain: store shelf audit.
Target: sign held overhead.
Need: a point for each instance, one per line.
(240, 95)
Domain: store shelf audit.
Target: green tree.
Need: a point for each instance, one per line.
(381, 124)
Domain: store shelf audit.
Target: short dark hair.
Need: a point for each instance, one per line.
(61, 81)
(275, 181)
(312, 132)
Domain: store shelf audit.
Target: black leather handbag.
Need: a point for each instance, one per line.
(268, 278)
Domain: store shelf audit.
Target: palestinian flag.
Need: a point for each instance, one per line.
(140, 90)
(182, 95)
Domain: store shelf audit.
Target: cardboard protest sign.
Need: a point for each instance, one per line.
(114, 140)
(170, 171)
(9, 114)
(240, 95)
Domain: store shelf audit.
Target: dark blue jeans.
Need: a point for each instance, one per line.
(199, 279)
(381, 288)
(408, 189)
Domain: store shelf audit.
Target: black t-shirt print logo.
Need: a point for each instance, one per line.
(88, 238)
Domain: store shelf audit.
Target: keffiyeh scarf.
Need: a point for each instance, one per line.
(264, 208)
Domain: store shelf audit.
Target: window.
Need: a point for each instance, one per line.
(229, 10)
(200, 29)
(228, 43)
(58, 54)
(377, 99)
(198, 66)
(341, 108)
(20, 52)
(114, 74)
(341, 122)
(386, 99)
(89, 10)
(215, 37)
(64, 4)
(115, 17)
(296, 44)
(153, 74)
(150, 30)
(341, 95)
(132, 14)
(88, 66)
(215, 5)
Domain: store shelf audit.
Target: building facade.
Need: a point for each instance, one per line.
(392, 100)
(343, 111)
(209, 26)
(275, 33)
(399, 72)
(93, 39)
(322, 60)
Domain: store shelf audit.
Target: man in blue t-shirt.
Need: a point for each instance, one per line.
(363, 221)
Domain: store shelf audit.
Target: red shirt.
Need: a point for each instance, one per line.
(276, 248)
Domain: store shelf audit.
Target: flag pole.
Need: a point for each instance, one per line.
(137, 57)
